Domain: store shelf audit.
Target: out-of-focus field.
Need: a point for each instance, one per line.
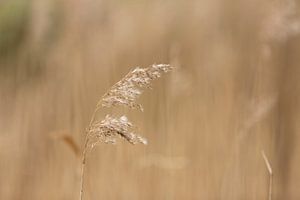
(235, 92)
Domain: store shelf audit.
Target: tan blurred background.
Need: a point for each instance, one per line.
(234, 93)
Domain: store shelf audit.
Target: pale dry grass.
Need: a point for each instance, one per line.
(125, 92)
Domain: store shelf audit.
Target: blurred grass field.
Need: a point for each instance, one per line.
(235, 92)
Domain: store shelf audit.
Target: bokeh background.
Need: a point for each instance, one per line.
(234, 93)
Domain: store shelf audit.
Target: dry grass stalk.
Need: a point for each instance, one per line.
(125, 92)
(268, 165)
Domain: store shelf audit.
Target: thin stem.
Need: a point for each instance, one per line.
(270, 187)
(268, 165)
(83, 162)
(84, 154)
(93, 116)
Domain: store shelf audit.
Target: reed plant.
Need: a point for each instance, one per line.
(123, 93)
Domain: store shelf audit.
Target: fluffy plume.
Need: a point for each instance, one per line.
(109, 129)
(126, 91)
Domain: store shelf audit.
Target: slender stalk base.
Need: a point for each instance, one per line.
(83, 162)
(84, 153)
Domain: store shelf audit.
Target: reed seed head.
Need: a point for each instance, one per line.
(127, 90)
(125, 93)
(110, 128)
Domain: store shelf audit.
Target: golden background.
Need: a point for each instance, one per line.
(234, 93)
